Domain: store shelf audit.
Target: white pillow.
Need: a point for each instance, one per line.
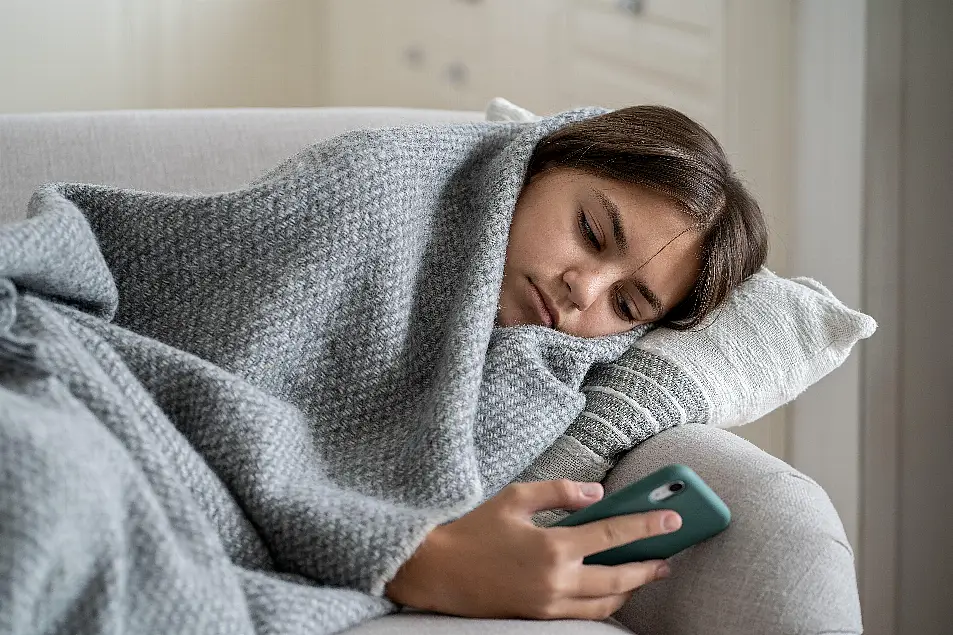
(500, 109)
(770, 340)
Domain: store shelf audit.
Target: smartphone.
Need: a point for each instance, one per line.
(675, 487)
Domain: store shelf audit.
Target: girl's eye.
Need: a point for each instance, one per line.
(624, 309)
(586, 229)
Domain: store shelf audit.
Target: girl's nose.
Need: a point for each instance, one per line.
(585, 287)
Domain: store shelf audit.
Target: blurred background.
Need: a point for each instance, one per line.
(835, 112)
(728, 64)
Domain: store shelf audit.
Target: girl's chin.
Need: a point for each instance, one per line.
(508, 317)
(503, 320)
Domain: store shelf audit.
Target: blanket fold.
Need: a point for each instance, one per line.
(257, 403)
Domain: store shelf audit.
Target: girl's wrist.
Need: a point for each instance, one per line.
(417, 583)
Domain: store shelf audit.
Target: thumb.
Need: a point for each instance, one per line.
(535, 496)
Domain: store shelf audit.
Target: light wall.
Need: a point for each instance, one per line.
(906, 545)
(827, 230)
(925, 352)
(114, 54)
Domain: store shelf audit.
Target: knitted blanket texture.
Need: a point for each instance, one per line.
(242, 412)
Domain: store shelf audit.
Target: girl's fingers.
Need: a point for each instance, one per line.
(612, 532)
(528, 498)
(599, 581)
(587, 608)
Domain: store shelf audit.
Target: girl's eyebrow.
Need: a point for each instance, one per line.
(616, 218)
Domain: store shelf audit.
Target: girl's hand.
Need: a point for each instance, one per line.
(494, 563)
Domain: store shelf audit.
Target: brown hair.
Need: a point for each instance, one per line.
(662, 149)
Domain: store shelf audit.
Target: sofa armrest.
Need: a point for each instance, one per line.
(783, 566)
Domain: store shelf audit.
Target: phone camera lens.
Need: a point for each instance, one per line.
(676, 486)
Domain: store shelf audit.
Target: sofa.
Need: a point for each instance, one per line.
(784, 566)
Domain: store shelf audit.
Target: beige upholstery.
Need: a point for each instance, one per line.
(430, 624)
(783, 567)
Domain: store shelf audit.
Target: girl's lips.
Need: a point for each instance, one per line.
(540, 304)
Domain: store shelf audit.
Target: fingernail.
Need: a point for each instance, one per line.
(671, 522)
(663, 571)
(590, 490)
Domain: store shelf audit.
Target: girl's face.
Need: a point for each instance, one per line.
(592, 256)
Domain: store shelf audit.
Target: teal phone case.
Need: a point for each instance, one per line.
(703, 514)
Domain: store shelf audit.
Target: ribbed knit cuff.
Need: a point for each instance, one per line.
(632, 399)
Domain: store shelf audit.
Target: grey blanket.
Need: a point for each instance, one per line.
(241, 413)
